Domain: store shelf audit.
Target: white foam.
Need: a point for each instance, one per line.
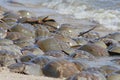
(106, 12)
(109, 18)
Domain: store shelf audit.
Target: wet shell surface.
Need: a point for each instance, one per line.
(23, 29)
(68, 30)
(87, 76)
(115, 50)
(3, 33)
(113, 77)
(80, 54)
(52, 44)
(14, 35)
(55, 53)
(8, 57)
(25, 13)
(42, 60)
(59, 68)
(115, 36)
(26, 68)
(94, 49)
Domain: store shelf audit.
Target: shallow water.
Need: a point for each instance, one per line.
(103, 61)
(106, 12)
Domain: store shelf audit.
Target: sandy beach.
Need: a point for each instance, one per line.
(6, 75)
(59, 40)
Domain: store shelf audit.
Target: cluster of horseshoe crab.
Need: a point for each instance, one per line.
(41, 46)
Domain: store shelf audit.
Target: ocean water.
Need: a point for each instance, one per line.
(106, 12)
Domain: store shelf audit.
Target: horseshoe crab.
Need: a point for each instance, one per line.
(117, 61)
(7, 57)
(91, 35)
(115, 36)
(52, 44)
(66, 39)
(113, 77)
(3, 33)
(41, 31)
(80, 54)
(68, 30)
(49, 23)
(86, 75)
(110, 43)
(4, 26)
(27, 58)
(59, 68)
(100, 43)
(108, 69)
(25, 13)
(55, 53)
(23, 29)
(81, 40)
(2, 9)
(94, 49)
(10, 18)
(80, 65)
(10, 21)
(14, 35)
(12, 48)
(26, 68)
(114, 50)
(24, 41)
(10, 14)
(6, 42)
(42, 60)
(32, 50)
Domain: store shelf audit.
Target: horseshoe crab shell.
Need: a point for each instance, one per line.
(87, 76)
(94, 49)
(68, 30)
(25, 13)
(23, 29)
(52, 44)
(59, 68)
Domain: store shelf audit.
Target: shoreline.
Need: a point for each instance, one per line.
(56, 46)
(6, 75)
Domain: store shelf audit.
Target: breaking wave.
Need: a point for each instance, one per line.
(106, 12)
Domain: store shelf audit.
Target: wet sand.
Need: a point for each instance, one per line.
(6, 75)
